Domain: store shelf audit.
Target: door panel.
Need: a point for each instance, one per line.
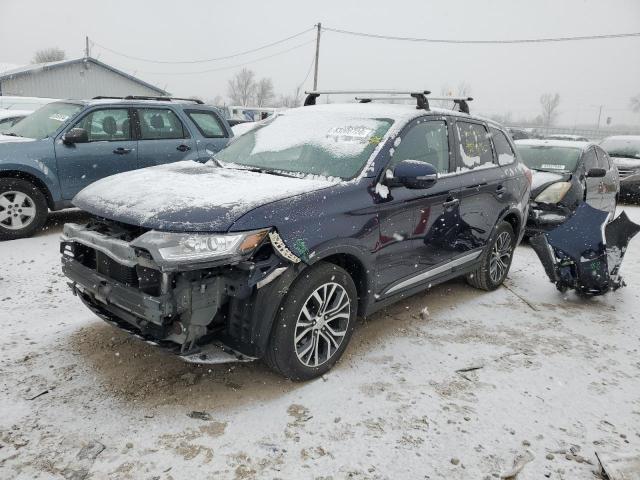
(609, 181)
(415, 223)
(110, 150)
(483, 184)
(162, 138)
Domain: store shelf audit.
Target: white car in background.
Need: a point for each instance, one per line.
(8, 118)
(624, 150)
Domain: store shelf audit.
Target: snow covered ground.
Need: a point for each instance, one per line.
(558, 376)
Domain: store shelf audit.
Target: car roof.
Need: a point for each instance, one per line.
(623, 137)
(534, 142)
(394, 111)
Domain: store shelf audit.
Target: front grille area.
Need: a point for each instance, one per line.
(145, 279)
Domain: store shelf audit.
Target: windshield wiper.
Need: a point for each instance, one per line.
(10, 134)
(279, 173)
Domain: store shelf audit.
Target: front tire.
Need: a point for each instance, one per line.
(495, 263)
(23, 208)
(315, 323)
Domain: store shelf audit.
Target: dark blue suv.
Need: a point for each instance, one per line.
(320, 214)
(61, 148)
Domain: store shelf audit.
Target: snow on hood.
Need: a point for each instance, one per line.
(624, 162)
(11, 138)
(542, 178)
(188, 196)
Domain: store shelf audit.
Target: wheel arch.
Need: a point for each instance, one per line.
(357, 270)
(38, 182)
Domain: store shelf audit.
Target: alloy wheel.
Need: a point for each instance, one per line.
(500, 257)
(17, 210)
(322, 324)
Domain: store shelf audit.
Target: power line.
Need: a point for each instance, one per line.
(481, 42)
(226, 57)
(282, 52)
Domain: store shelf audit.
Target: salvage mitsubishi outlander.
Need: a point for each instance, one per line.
(318, 215)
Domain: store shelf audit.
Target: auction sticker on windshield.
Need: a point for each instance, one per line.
(59, 117)
(349, 133)
(552, 167)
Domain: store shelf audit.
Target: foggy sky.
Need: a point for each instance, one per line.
(504, 78)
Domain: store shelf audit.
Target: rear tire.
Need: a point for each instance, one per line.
(315, 323)
(23, 208)
(495, 262)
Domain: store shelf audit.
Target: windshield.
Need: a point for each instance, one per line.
(45, 121)
(550, 159)
(328, 145)
(622, 147)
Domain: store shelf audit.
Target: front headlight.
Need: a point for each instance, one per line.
(169, 247)
(554, 193)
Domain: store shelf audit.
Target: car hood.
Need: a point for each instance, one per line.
(12, 139)
(624, 162)
(541, 180)
(188, 196)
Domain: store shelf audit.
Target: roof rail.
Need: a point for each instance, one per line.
(144, 97)
(419, 95)
(461, 102)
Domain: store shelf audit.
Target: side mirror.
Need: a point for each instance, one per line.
(414, 174)
(75, 135)
(596, 172)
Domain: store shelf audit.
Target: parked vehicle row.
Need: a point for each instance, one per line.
(566, 173)
(625, 152)
(48, 157)
(314, 217)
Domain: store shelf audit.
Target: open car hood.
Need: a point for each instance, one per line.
(188, 196)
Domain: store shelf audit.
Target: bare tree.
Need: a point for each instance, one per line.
(464, 89)
(290, 101)
(549, 102)
(264, 92)
(241, 88)
(218, 101)
(635, 103)
(52, 54)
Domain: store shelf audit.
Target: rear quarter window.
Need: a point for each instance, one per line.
(505, 153)
(207, 123)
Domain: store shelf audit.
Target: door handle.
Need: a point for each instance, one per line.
(451, 203)
(500, 189)
(121, 151)
(183, 148)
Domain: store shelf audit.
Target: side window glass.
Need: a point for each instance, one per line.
(107, 125)
(590, 160)
(475, 147)
(425, 142)
(603, 159)
(207, 123)
(158, 123)
(503, 148)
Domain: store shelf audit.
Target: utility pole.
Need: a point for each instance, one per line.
(599, 115)
(87, 52)
(315, 70)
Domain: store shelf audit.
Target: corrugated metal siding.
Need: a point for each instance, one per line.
(76, 81)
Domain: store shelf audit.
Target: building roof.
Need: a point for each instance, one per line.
(38, 67)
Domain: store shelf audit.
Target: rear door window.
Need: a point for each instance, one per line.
(503, 148)
(207, 123)
(425, 142)
(475, 146)
(107, 125)
(159, 123)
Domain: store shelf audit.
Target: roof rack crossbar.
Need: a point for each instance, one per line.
(145, 97)
(419, 95)
(461, 102)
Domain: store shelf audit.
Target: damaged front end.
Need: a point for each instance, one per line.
(210, 298)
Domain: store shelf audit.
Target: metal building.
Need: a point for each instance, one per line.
(73, 79)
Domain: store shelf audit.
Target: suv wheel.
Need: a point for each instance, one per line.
(496, 260)
(315, 323)
(23, 208)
